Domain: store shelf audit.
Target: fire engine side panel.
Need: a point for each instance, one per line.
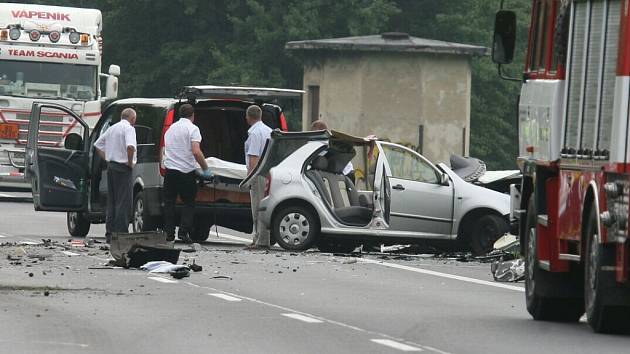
(619, 137)
(574, 185)
(540, 110)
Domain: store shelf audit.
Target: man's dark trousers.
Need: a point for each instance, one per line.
(185, 185)
(118, 197)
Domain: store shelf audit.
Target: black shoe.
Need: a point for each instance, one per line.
(170, 238)
(185, 238)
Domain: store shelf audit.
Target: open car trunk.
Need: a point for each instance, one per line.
(223, 130)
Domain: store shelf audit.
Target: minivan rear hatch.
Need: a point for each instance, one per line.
(235, 92)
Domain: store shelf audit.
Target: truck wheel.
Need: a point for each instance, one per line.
(486, 231)
(600, 288)
(201, 231)
(142, 221)
(78, 224)
(539, 283)
(295, 228)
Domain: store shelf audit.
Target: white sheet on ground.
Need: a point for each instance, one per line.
(162, 267)
(226, 169)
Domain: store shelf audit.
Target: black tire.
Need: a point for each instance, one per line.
(78, 224)
(200, 231)
(140, 219)
(485, 232)
(327, 245)
(540, 283)
(605, 313)
(295, 228)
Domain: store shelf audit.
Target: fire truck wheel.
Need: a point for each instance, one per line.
(540, 284)
(485, 232)
(607, 307)
(78, 224)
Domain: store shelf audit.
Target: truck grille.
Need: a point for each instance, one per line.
(591, 74)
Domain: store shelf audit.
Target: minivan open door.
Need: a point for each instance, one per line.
(56, 159)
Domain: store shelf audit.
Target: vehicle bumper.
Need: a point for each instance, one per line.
(11, 177)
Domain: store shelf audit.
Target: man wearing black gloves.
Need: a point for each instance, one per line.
(181, 157)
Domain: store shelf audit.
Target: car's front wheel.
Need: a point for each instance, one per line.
(486, 231)
(295, 228)
(78, 224)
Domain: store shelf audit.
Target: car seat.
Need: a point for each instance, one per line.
(334, 187)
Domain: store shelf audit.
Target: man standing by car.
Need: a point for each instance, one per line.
(118, 147)
(258, 134)
(181, 157)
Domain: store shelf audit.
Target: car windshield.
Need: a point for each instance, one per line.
(48, 80)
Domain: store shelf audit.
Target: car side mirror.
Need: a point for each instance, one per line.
(73, 141)
(504, 37)
(444, 180)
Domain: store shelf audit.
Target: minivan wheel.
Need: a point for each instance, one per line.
(295, 228)
(201, 231)
(486, 231)
(78, 224)
(142, 221)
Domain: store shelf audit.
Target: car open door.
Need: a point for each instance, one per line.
(421, 200)
(56, 158)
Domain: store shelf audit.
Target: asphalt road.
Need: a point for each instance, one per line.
(260, 302)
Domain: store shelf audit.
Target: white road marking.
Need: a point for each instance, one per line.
(30, 243)
(163, 280)
(67, 344)
(3, 236)
(68, 253)
(396, 345)
(443, 275)
(333, 322)
(235, 238)
(225, 297)
(5, 195)
(297, 316)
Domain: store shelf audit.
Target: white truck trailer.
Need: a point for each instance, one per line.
(48, 54)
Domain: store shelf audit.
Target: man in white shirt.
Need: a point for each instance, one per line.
(181, 157)
(117, 146)
(258, 134)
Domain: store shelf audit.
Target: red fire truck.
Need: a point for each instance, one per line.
(572, 205)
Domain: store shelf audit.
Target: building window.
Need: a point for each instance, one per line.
(313, 94)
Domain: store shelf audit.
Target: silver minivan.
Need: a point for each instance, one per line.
(397, 196)
(72, 178)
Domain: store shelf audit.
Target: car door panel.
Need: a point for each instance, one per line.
(420, 204)
(421, 207)
(58, 173)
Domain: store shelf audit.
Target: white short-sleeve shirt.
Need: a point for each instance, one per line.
(115, 140)
(178, 146)
(258, 134)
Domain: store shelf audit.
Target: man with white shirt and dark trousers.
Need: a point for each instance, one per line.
(181, 157)
(118, 147)
(258, 134)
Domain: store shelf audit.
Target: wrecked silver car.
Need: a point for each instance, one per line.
(398, 196)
